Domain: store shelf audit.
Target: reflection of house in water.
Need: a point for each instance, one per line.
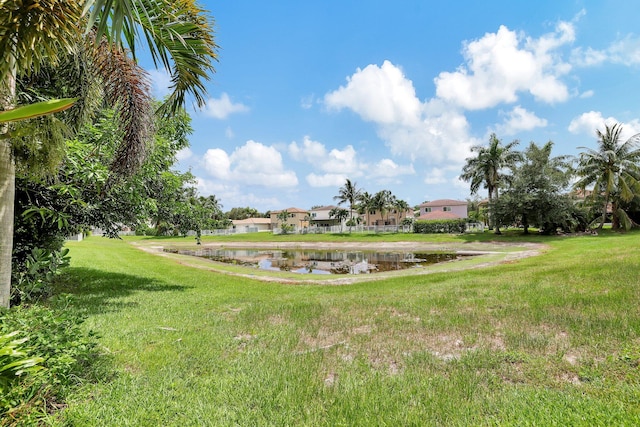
(320, 262)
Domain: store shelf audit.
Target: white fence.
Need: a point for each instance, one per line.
(472, 227)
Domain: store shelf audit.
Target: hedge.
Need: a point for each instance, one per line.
(452, 226)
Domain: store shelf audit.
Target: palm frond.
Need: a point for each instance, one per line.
(127, 88)
(33, 32)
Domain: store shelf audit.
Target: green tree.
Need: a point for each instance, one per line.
(244, 213)
(37, 35)
(383, 201)
(339, 214)
(348, 193)
(487, 168)
(400, 206)
(536, 193)
(614, 171)
(365, 204)
(283, 219)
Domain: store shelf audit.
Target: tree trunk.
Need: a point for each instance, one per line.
(615, 220)
(604, 210)
(7, 192)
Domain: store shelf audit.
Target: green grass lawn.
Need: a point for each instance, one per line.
(548, 340)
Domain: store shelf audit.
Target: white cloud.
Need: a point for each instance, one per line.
(435, 176)
(309, 150)
(588, 57)
(387, 168)
(326, 180)
(342, 162)
(160, 83)
(500, 65)
(207, 187)
(378, 94)
(440, 137)
(519, 119)
(222, 107)
(257, 164)
(587, 94)
(433, 131)
(588, 123)
(625, 51)
(233, 195)
(306, 102)
(448, 175)
(228, 132)
(184, 154)
(217, 163)
(251, 164)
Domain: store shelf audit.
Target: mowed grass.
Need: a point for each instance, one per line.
(548, 340)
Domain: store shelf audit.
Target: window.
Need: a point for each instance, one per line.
(427, 210)
(447, 208)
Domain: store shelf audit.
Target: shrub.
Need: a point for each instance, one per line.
(453, 226)
(32, 279)
(145, 230)
(15, 360)
(67, 354)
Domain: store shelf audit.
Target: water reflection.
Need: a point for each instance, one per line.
(321, 262)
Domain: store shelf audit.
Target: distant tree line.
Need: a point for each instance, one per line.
(364, 203)
(535, 189)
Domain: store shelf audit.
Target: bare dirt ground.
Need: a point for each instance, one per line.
(488, 254)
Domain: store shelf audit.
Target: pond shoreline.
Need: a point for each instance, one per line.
(488, 254)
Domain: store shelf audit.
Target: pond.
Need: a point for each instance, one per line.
(306, 261)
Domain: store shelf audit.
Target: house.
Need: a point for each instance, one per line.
(296, 217)
(389, 217)
(443, 209)
(251, 225)
(319, 216)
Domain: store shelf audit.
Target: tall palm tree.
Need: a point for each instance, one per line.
(613, 170)
(348, 193)
(35, 34)
(487, 168)
(400, 206)
(383, 201)
(365, 204)
(340, 215)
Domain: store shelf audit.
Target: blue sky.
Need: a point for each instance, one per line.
(393, 94)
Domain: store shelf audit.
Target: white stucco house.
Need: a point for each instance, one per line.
(251, 225)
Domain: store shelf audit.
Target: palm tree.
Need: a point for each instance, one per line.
(348, 193)
(613, 171)
(365, 204)
(37, 35)
(383, 201)
(487, 168)
(339, 214)
(400, 207)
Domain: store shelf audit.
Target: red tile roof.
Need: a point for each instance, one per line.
(291, 210)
